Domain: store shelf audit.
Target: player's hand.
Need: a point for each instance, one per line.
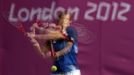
(48, 54)
(57, 54)
(30, 35)
(43, 55)
(33, 26)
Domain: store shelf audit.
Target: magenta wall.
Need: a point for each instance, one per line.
(105, 35)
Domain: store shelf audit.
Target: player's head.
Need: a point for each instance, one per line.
(65, 19)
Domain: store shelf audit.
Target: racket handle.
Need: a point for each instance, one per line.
(52, 49)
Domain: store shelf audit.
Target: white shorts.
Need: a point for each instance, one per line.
(73, 72)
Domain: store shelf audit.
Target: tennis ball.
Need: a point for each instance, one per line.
(53, 68)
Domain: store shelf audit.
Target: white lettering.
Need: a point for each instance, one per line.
(74, 11)
(57, 11)
(90, 11)
(102, 11)
(115, 10)
(48, 13)
(35, 12)
(23, 14)
(126, 9)
(11, 17)
(106, 14)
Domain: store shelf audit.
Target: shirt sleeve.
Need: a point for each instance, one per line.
(72, 34)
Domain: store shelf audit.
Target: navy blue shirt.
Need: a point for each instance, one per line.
(63, 62)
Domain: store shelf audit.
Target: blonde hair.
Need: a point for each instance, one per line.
(65, 13)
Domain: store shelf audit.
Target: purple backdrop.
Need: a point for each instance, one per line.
(105, 35)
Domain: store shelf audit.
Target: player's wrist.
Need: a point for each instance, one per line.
(35, 44)
(57, 54)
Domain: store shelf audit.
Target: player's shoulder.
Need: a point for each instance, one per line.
(71, 29)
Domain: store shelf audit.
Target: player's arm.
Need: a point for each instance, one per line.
(65, 49)
(72, 39)
(35, 26)
(37, 46)
(50, 36)
(42, 49)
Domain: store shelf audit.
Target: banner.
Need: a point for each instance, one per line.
(105, 35)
